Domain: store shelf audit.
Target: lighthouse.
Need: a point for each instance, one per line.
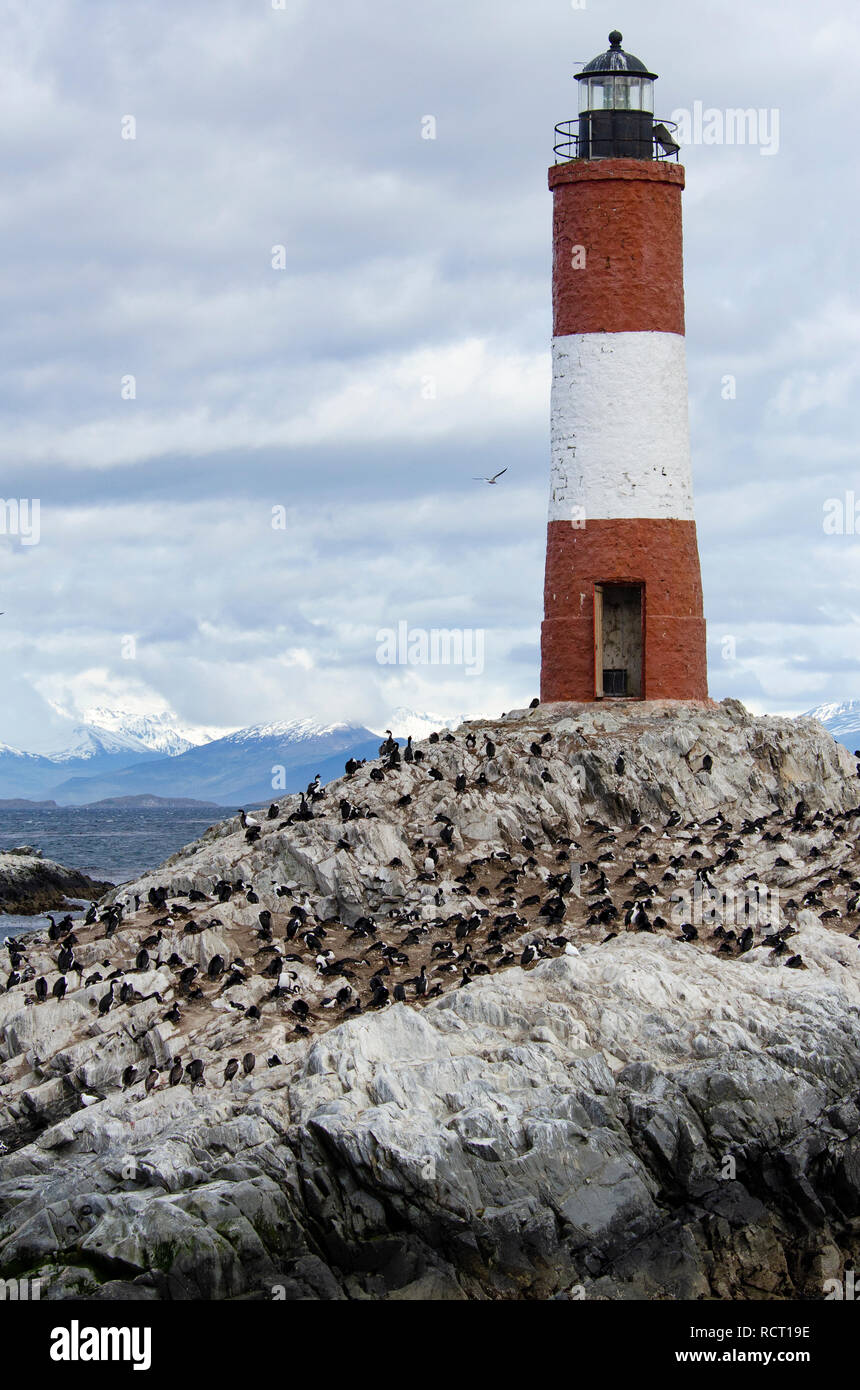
(623, 612)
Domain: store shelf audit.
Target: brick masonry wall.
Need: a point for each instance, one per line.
(626, 214)
(662, 555)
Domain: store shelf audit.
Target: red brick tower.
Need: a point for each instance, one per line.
(623, 594)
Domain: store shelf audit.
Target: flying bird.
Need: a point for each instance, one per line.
(492, 481)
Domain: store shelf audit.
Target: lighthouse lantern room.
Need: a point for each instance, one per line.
(623, 594)
(616, 105)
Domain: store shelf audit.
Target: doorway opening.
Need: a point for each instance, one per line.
(618, 641)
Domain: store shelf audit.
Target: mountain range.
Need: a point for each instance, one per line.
(143, 755)
(128, 755)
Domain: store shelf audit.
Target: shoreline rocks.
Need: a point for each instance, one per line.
(31, 885)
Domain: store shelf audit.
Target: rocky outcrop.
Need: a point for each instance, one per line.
(31, 884)
(636, 1122)
(677, 757)
(632, 1115)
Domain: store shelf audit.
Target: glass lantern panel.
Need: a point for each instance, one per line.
(623, 87)
(584, 103)
(647, 94)
(600, 93)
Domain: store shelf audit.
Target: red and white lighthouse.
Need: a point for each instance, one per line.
(623, 594)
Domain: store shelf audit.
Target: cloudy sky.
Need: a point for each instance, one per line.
(397, 347)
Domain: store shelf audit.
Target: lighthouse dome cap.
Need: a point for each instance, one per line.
(615, 60)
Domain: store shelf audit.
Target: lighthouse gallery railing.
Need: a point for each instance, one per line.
(567, 143)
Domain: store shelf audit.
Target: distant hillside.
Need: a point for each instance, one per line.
(37, 775)
(146, 802)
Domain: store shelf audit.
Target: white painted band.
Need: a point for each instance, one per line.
(620, 427)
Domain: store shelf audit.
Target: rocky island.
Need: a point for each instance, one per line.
(560, 1005)
(31, 884)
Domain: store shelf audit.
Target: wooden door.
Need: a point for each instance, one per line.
(598, 641)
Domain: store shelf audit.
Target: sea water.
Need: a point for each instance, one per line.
(114, 844)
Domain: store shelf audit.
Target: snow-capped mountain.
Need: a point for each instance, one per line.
(404, 723)
(106, 743)
(7, 751)
(89, 742)
(103, 730)
(159, 733)
(284, 731)
(842, 718)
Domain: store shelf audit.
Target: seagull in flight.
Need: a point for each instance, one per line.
(492, 481)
